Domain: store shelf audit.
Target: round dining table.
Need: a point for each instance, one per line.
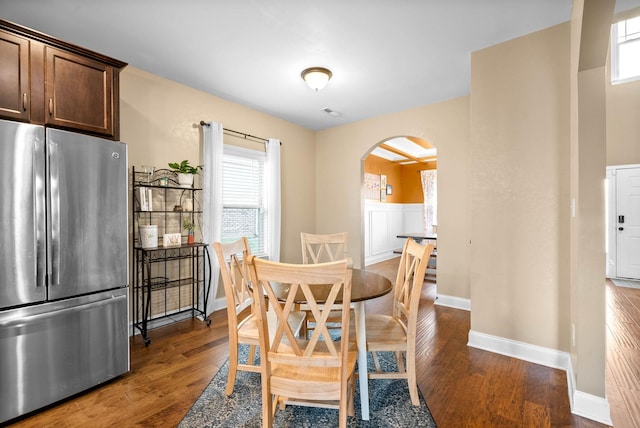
(365, 285)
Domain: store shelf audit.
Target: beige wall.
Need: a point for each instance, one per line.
(339, 157)
(520, 150)
(158, 120)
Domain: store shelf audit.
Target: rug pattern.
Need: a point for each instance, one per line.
(389, 402)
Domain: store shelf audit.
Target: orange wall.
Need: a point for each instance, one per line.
(411, 184)
(404, 179)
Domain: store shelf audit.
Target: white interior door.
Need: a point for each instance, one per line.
(628, 223)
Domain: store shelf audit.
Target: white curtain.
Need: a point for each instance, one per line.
(429, 180)
(212, 198)
(272, 186)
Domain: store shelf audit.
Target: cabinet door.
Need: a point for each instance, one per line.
(14, 76)
(79, 92)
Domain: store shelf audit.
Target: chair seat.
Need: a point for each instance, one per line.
(385, 333)
(248, 330)
(309, 383)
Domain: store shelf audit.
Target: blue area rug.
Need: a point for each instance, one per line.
(389, 403)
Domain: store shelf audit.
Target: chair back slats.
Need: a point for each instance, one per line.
(323, 248)
(240, 278)
(321, 315)
(282, 314)
(409, 280)
(232, 258)
(285, 285)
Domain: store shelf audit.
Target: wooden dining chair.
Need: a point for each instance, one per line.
(323, 248)
(243, 328)
(318, 371)
(397, 332)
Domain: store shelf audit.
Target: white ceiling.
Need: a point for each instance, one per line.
(385, 55)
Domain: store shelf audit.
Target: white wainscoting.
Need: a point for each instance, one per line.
(383, 222)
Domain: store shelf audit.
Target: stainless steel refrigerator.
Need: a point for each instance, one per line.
(63, 265)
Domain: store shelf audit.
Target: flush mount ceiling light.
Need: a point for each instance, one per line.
(316, 77)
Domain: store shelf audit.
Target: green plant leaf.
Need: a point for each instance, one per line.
(184, 167)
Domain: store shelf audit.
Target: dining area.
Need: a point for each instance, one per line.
(301, 331)
(181, 381)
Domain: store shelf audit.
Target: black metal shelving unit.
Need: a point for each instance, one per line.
(168, 280)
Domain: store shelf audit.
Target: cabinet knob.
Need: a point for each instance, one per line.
(24, 101)
(50, 106)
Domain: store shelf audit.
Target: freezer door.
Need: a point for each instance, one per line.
(22, 214)
(53, 350)
(88, 248)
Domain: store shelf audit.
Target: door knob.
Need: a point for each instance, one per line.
(621, 228)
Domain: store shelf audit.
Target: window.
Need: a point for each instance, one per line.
(625, 50)
(243, 197)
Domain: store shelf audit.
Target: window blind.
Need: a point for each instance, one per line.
(243, 197)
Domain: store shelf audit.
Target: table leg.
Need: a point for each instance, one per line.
(361, 340)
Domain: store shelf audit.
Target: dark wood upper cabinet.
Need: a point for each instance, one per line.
(78, 92)
(14, 76)
(47, 81)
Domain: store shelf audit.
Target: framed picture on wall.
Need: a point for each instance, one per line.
(371, 186)
(383, 195)
(383, 182)
(389, 189)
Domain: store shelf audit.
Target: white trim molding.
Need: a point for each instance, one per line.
(523, 351)
(453, 302)
(582, 404)
(591, 407)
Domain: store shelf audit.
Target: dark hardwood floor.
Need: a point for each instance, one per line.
(463, 386)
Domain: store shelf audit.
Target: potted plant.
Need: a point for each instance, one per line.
(190, 227)
(185, 172)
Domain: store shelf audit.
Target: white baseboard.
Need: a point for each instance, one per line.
(453, 302)
(582, 404)
(592, 407)
(523, 351)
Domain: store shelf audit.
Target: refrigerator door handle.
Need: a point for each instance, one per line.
(54, 201)
(39, 221)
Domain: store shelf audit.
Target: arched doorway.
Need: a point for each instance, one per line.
(393, 197)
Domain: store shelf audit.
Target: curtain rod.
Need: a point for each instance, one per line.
(245, 136)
